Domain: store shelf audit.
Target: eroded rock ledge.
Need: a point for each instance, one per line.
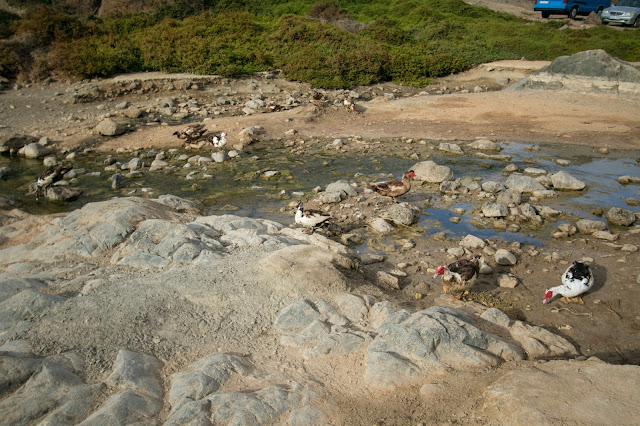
(155, 271)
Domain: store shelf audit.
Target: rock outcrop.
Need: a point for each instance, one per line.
(587, 71)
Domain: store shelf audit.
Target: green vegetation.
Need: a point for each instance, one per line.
(333, 44)
(6, 20)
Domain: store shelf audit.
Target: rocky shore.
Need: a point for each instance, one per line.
(142, 310)
(149, 309)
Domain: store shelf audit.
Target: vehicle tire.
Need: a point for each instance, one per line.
(636, 23)
(546, 15)
(573, 12)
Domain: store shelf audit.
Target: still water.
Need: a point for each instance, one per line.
(240, 186)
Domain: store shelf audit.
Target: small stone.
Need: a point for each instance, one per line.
(605, 235)
(472, 242)
(563, 180)
(428, 390)
(513, 228)
(586, 226)
(495, 210)
(380, 225)
(34, 150)
(456, 252)
(485, 269)
(371, 258)
(508, 281)
(505, 258)
(388, 280)
(108, 127)
(567, 228)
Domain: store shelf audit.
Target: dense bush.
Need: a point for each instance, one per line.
(9, 62)
(407, 41)
(414, 67)
(49, 25)
(98, 57)
(6, 21)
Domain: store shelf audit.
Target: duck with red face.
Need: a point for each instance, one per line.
(576, 280)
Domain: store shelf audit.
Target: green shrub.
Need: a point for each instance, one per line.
(416, 67)
(385, 30)
(407, 41)
(9, 62)
(49, 25)
(181, 9)
(6, 23)
(98, 57)
(331, 68)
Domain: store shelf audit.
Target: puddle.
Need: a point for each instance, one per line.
(239, 186)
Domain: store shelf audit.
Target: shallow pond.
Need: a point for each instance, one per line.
(239, 185)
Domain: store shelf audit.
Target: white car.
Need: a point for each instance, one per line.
(625, 12)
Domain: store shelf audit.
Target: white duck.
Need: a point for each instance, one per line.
(349, 104)
(219, 141)
(50, 176)
(577, 279)
(310, 219)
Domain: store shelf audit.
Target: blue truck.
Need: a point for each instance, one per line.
(571, 8)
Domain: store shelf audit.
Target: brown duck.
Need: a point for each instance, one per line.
(191, 133)
(394, 188)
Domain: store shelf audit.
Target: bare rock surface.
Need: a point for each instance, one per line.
(224, 319)
(571, 392)
(403, 347)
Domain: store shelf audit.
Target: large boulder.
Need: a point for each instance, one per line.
(429, 171)
(620, 216)
(563, 180)
(588, 71)
(523, 183)
(109, 127)
(34, 150)
(594, 63)
(588, 226)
